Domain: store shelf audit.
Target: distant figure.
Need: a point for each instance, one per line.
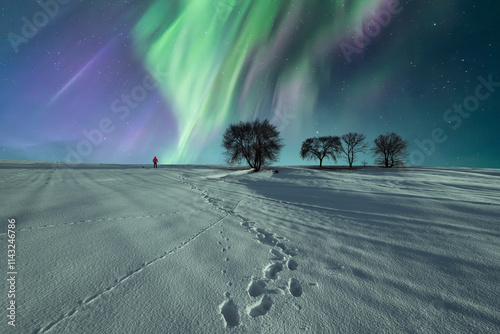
(155, 161)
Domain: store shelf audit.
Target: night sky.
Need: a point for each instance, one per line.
(122, 81)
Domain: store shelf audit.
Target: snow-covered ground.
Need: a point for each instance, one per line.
(207, 249)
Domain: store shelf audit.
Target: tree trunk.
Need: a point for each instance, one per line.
(320, 163)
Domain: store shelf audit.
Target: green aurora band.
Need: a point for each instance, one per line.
(226, 61)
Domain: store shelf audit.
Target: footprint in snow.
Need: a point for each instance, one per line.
(272, 270)
(248, 224)
(277, 254)
(261, 308)
(287, 251)
(229, 311)
(292, 264)
(256, 288)
(295, 287)
(266, 238)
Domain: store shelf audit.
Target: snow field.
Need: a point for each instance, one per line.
(207, 249)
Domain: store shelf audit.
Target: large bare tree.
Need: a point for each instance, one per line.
(390, 150)
(320, 148)
(258, 143)
(352, 144)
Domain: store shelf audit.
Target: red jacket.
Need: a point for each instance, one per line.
(155, 160)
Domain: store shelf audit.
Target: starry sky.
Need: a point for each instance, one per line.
(123, 81)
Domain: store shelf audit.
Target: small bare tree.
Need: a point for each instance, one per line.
(390, 150)
(256, 142)
(353, 143)
(320, 148)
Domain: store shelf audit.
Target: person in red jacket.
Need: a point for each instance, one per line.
(155, 161)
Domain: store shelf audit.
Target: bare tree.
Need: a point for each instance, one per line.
(390, 150)
(320, 148)
(353, 143)
(256, 142)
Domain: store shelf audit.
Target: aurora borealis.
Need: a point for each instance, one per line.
(120, 82)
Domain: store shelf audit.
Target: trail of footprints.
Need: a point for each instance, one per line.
(259, 289)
